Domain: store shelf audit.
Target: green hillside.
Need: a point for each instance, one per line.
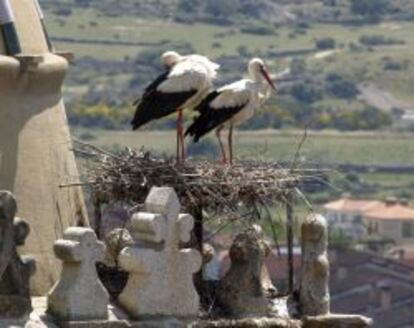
(334, 49)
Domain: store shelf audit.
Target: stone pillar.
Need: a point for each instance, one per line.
(314, 281)
(35, 144)
(246, 289)
(79, 294)
(160, 273)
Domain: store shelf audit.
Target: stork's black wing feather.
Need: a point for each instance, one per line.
(155, 104)
(152, 86)
(210, 118)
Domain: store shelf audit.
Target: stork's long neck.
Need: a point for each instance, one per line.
(262, 89)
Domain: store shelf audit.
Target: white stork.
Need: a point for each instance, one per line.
(232, 105)
(187, 80)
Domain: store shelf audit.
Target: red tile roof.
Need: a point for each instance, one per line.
(372, 209)
(391, 212)
(352, 205)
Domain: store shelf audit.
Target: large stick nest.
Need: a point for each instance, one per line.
(129, 175)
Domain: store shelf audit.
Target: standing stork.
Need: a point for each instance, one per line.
(184, 84)
(232, 105)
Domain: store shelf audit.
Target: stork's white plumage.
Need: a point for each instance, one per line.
(187, 80)
(232, 105)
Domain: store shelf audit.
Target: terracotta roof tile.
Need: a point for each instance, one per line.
(391, 212)
(352, 205)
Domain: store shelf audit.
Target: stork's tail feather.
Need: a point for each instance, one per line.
(134, 126)
(192, 132)
(200, 127)
(206, 121)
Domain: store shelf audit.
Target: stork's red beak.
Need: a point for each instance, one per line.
(267, 77)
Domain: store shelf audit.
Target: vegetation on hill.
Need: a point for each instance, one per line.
(331, 48)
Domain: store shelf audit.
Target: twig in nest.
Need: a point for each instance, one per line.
(230, 192)
(298, 149)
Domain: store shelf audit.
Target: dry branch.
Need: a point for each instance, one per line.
(129, 175)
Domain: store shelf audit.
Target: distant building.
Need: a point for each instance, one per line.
(391, 220)
(367, 284)
(360, 282)
(361, 219)
(346, 215)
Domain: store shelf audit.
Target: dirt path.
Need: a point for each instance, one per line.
(381, 99)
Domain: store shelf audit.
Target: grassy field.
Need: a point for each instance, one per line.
(88, 25)
(323, 147)
(361, 65)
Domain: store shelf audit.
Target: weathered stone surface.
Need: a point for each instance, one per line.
(79, 295)
(337, 321)
(314, 281)
(162, 323)
(96, 324)
(208, 253)
(115, 242)
(160, 273)
(39, 318)
(15, 270)
(246, 288)
(250, 323)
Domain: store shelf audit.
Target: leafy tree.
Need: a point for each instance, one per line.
(222, 7)
(82, 3)
(258, 29)
(379, 40)
(370, 8)
(344, 89)
(306, 92)
(297, 66)
(188, 6)
(254, 8)
(243, 51)
(372, 118)
(325, 43)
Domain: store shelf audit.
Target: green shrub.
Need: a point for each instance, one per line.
(306, 92)
(391, 65)
(325, 43)
(222, 8)
(373, 9)
(378, 40)
(258, 30)
(343, 89)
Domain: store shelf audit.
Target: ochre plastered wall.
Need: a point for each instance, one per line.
(29, 27)
(35, 146)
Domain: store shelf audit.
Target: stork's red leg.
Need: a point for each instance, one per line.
(177, 126)
(180, 112)
(223, 151)
(231, 144)
(180, 136)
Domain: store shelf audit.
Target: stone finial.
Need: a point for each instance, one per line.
(160, 273)
(79, 295)
(314, 290)
(15, 270)
(246, 289)
(115, 241)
